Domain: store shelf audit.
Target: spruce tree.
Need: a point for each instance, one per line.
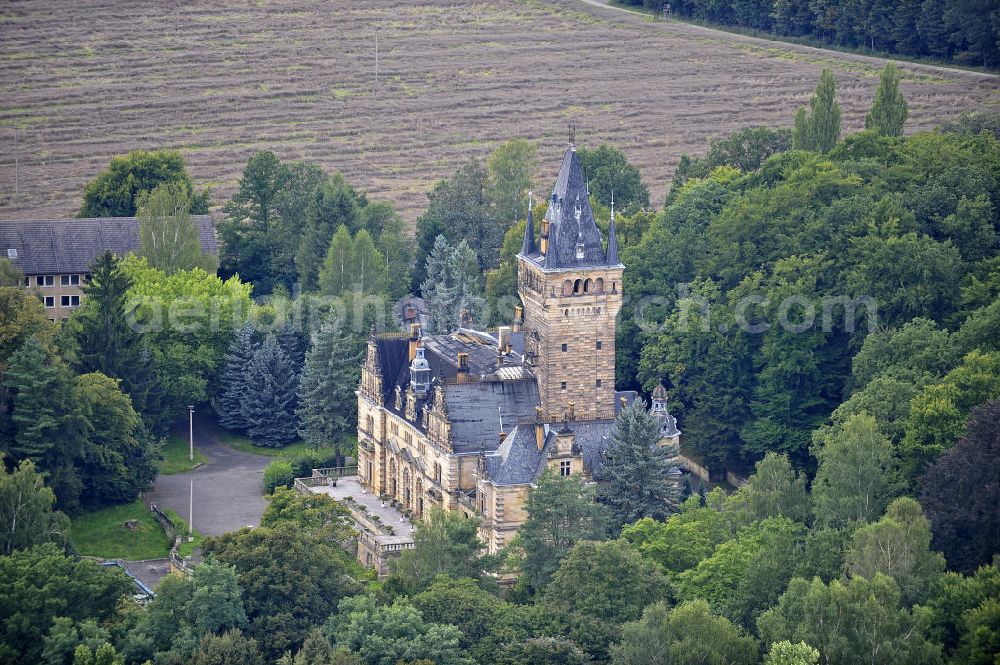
(819, 129)
(439, 289)
(327, 403)
(641, 477)
(269, 399)
(102, 339)
(889, 110)
(229, 405)
(47, 422)
(452, 285)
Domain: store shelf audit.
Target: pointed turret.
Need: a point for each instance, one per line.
(574, 240)
(528, 247)
(612, 237)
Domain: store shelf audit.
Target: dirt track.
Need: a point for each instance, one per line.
(87, 80)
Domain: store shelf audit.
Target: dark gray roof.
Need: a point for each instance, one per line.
(61, 246)
(517, 461)
(474, 411)
(571, 222)
(474, 407)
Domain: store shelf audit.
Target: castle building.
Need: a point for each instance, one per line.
(469, 420)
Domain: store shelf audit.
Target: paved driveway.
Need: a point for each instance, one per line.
(228, 490)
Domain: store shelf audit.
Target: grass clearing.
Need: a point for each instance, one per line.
(175, 456)
(103, 533)
(245, 445)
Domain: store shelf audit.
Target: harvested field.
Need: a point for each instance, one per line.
(86, 80)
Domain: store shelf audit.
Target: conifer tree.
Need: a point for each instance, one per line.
(327, 404)
(819, 129)
(268, 404)
(103, 341)
(229, 406)
(452, 284)
(641, 477)
(48, 427)
(889, 110)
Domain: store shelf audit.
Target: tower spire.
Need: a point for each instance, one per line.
(612, 253)
(528, 247)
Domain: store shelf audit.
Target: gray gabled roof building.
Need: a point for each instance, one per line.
(69, 246)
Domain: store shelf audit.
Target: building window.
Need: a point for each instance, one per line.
(565, 468)
(598, 345)
(11, 253)
(370, 422)
(69, 301)
(437, 473)
(565, 348)
(45, 280)
(562, 385)
(69, 280)
(50, 301)
(27, 281)
(598, 383)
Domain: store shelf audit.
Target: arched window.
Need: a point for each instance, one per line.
(586, 286)
(567, 288)
(577, 285)
(599, 285)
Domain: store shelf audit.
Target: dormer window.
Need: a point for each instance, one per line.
(11, 253)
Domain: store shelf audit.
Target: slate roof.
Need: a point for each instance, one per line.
(571, 222)
(473, 411)
(474, 408)
(517, 461)
(65, 246)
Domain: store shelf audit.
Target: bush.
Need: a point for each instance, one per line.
(278, 473)
(303, 463)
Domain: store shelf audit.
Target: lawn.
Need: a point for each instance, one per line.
(245, 445)
(175, 456)
(103, 533)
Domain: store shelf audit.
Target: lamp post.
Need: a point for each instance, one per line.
(191, 433)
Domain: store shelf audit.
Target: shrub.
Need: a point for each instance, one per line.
(303, 463)
(278, 473)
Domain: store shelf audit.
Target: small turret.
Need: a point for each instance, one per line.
(528, 246)
(612, 253)
(420, 373)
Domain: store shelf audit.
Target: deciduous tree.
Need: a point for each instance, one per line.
(167, 237)
(961, 493)
(888, 113)
(687, 635)
(27, 517)
(115, 192)
(856, 478)
(819, 128)
(562, 511)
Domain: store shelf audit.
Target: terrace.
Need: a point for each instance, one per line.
(383, 531)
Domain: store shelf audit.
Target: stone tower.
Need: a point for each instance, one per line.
(571, 288)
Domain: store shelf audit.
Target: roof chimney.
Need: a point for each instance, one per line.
(539, 429)
(503, 342)
(414, 340)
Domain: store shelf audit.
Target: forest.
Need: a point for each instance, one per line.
(867, 530)
(960, 31)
